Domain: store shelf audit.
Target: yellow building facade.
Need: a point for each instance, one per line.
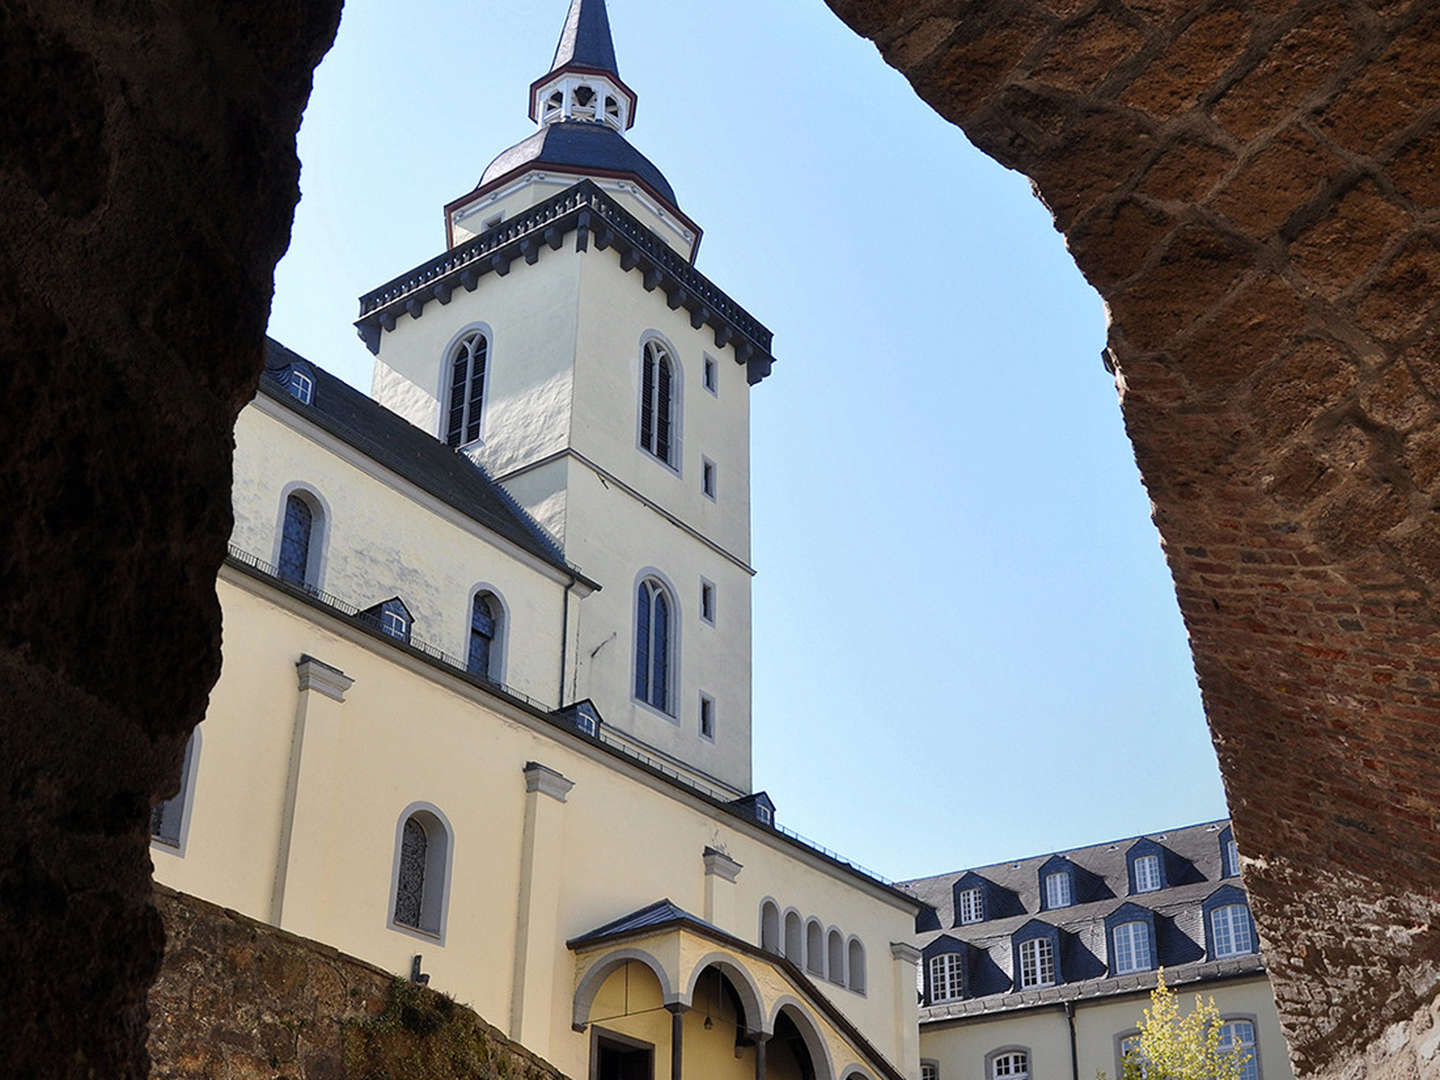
(484, 713)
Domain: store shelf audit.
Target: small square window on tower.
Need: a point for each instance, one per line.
(707, 716)
(712, 376)
(707, 601)
(707, 477)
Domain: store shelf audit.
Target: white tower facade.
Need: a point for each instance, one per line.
(566, 344)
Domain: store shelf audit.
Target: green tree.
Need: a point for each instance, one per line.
(1181, 1047)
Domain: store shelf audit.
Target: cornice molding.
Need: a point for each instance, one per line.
(319, 676)
(546, 781)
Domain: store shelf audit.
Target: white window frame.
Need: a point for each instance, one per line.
(1147, 873)
(1059, 891)
(1250, 1070)
(929, 1070)
(947, 978)
(1134, 954)
(302, 387)
(1036, 959)
(1016, 1065)
(1232, 858)
(763, 815)
(1236, 921)
(971, 906)
(394, 624)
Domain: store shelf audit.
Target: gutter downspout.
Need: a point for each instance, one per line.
(1074, 1056)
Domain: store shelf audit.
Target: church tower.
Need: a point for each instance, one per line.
(566, 343)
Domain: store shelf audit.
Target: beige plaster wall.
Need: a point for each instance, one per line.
(379, 543)
(408, 733)
(960, 1047)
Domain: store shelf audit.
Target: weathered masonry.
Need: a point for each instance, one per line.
(1253, 188)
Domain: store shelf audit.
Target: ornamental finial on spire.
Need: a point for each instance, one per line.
(584, 84)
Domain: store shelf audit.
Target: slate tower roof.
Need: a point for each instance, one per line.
(585, 39)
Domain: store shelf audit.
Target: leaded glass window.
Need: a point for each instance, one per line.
(482, 635)
(467, 389)
(652, 645)
(295, 541)
(410, 884)
(657, 403)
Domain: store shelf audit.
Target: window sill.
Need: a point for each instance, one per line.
(642, 703)
(432, 936)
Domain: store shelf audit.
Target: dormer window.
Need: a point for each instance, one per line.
(1232, 858)
(762, 814)
(1058, 891)
(1037, 963)
(394, 621)
(946, 978)
(1132, 947)
(1147, 873)
(301, 386)
(971, 903)
(1230, 930)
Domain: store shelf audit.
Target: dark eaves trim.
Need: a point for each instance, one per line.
(817, 998)
(553, 719)
(588, 212)
(280, 395)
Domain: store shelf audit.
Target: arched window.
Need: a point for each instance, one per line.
(467, 388)
(856, 970)
(814, 948)
(296, 539)
(485, 629)
(794, 938)
(836, 949)
(1238, 1036)
(654, 645)
(657, 403)
(1010, 1065)
(422, 869)
(770, 926)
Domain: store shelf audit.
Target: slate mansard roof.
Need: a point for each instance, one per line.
(588, 148)
(389, 440)
(1193, 873)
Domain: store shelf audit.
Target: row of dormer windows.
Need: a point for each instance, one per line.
(1150, 867)
(1038, 950)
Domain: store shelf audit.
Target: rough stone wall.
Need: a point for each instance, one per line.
(239, 1000)
(147, 182)
(1254, 188)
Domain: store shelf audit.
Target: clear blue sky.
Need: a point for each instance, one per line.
(967, 646)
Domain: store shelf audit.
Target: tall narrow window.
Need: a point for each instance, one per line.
(946, 978)
(972, 906)
(295, 541)
(814, 948)
(167, 820)
(707, 716)
(1239, 1036)
(770, 927)
(653, 645)
(855, 970)
(1037, 963)
(410, 886)
(1057, 890)
(484, 619)
(1147, 873)
(657, 403)
(1132, 948)
(467, 389)
(835, 948)
(1232, 859)
(1230, 927)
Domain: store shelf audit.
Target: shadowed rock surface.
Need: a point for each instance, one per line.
(1254, 188)
(147, 182)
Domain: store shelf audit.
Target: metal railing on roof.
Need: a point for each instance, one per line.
(370, 621)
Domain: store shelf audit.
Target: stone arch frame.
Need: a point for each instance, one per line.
(500, 645)
(321, 525)
(835, 971)
(1254, 1022)
(814, 944)
(673, 698)
(797, 957)
(601, 970)
(855, 1071)
(1009, 1048)
(743, 982)
(442, 388)
(677, 387)
(444, 859)
(809, 1031)
(861, 985)
(779, 949)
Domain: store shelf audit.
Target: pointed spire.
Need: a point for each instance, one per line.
(585, 40)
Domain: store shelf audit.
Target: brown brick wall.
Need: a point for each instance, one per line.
(239, 1000)
(1254, 189)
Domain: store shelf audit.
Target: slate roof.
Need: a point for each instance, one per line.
(583, 146)
(585, 38)
(390, 440)
(1194, 872)
(659, 913)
